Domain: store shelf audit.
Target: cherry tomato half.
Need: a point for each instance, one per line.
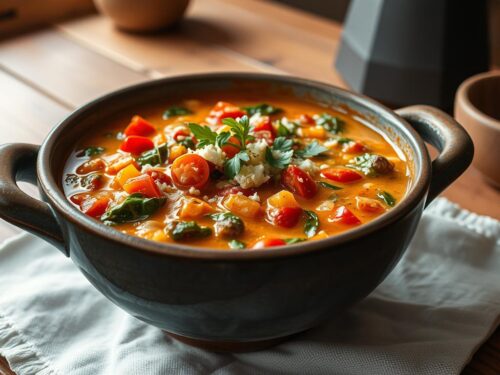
(286, 217)
(94, 206)
(341, 175)
(139, 126)
(136, 144)
(190, 170)
(344, 216)
(224, 110)
(299, 182)
(269, 242)
(353, 147)
(159, 177)
(230, 150)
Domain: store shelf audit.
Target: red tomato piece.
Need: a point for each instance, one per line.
(95, 206)
(287, 217)
(224, 110)
(269, 242)
(144, 185)
(139, 126)
(136, 144)
(306, 119)
(180, 134)
(354, 147)
(229, 150)
(159, 177)
(341, 175)
(299, 182)
(264, 124)
(190, 170)
(235, 190)
(265, 135)
(344, 216)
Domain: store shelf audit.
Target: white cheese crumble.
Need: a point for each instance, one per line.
(257, 152)
(330, 143)
(324, 166)
(308, 166)
(251, 176)
(255, 197)
(212, 154)
(193, 191)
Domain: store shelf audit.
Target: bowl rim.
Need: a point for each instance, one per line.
(58, 201)
(464, 103)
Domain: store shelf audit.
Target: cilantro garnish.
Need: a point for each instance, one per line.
(232, 166)
(207, 136)
(311, 150)
(240, 129)
(263, 109)
(330, 123)
(283, 155)
(387, 198)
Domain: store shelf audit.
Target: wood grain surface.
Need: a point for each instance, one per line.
(46, 74)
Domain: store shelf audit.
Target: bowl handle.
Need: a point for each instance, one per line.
(452, 141)
(18, 163)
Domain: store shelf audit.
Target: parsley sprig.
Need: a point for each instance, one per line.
(311, 150)
(240, 129)
(207, 136)
(280, 154)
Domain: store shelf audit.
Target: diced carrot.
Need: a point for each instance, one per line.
(95, 206)
(193, 208)
(93, 165)
(144, 185)
(283, 198)
(119, 164)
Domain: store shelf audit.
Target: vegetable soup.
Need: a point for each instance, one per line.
(233, 172)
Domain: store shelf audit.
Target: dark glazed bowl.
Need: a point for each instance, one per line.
(240, 298)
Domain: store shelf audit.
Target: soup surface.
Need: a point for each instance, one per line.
(231, 172)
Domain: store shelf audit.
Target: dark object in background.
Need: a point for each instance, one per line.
(335, 10)
(413, 51)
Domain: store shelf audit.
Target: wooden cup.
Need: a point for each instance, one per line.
(477, 108)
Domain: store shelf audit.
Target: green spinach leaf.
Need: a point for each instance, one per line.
(311, 224)
(134, 208)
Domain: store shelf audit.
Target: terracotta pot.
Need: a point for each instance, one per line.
(477, 108)
(232, 300)
(144, 15)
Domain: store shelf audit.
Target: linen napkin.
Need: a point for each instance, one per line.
(428, 317)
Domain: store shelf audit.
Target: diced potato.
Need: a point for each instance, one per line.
(241, 205)
(176, 151)
(126, 173)
(281, 199)
(312, 132)
(93, 165)
(369, 205)
(120, 163)
(193, 208)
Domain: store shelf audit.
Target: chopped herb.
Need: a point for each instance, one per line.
(240, 129)
(280, 154)
(311, 150)
(72, 179)
(187, 230)
(311, 224)
(343, 140)
(286, 128)
(156, 156)
(176, 111)
(135, 207)
(90, 181)
(227, 224)
(291, 241)
(263, 109)
(371, 164)
(329, 186)
(237, 245)
(91, 151)
(203, 134)
(187, 142)
(330, 123)
(232, 166)
(387, 198)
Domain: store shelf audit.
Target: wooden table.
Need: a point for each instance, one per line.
(44, 75)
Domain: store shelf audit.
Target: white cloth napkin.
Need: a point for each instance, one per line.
(428, 317)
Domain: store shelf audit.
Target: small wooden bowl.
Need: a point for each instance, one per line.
(477, 108)
(143, 16)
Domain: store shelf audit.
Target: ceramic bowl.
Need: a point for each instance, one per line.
(232, 300)
(477, 108)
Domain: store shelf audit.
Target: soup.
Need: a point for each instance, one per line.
(231, 172)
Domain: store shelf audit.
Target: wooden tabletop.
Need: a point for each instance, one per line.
(45, 74)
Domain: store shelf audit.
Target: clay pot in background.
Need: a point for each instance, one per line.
(144, 15)
(477, 108)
